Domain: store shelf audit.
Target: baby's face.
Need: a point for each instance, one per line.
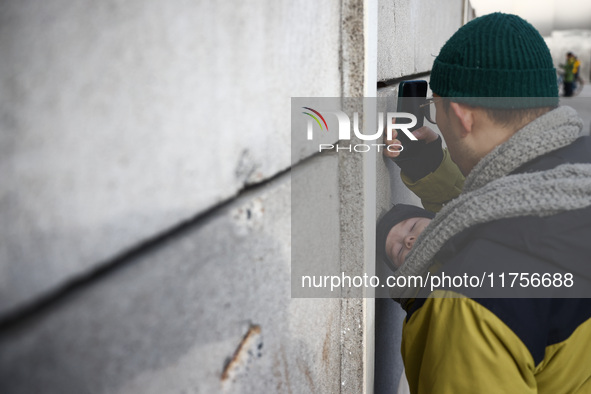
(402, 237)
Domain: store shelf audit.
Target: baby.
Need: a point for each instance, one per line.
(397, 232)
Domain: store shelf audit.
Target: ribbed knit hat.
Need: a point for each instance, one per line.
(496, 55)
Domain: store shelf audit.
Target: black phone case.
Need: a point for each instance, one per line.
(411, 94)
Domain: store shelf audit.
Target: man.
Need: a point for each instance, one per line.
(525, 207)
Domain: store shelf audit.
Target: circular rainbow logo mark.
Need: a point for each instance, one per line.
(315, 118)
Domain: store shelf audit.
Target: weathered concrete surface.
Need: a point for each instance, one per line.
(315, 236)
(412, 32)
(121, 119)
(357, 219)
(357, 180)
(172, 319)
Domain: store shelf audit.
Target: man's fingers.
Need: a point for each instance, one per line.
(394, 135)
(425, 134)
(392, 149)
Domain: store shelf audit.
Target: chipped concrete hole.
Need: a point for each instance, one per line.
(249, 216)
(249, 349)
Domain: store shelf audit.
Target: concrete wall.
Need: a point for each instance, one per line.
(121, 119)
(411, 34)
(146, 196)
(175, 317)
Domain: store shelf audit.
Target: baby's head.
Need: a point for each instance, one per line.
(397, 232)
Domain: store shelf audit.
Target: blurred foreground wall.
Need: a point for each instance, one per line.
(145, 193)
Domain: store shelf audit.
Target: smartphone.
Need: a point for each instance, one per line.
(411, 94)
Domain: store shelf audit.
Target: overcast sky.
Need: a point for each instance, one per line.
(545, 15)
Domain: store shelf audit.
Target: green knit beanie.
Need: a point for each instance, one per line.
(496, 55)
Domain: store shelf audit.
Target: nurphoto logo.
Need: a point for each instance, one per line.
(344, 129)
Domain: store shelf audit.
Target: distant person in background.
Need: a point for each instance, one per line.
(577, 80)
(576, 66)
(569, 75)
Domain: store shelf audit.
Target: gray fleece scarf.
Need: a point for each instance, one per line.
(490, 193)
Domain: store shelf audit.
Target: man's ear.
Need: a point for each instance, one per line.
(465, 115)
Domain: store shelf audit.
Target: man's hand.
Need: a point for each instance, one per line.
(422, 134)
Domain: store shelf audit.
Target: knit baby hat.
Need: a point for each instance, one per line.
(496, 55)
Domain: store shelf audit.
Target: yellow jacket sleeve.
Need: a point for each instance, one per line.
(456, 345)
(442, 185)
(576, 66)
